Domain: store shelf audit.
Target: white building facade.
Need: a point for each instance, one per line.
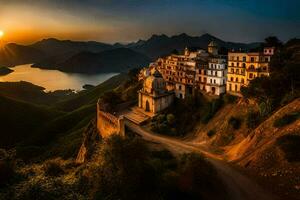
(216, 76)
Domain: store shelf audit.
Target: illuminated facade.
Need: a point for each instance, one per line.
(244, 67)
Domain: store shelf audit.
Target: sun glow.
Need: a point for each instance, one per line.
(1, 33)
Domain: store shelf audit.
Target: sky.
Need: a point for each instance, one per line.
(110, 21)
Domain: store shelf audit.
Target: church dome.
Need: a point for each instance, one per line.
(155, 83)
(212, 44)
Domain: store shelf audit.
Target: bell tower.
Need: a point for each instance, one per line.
(213, 48)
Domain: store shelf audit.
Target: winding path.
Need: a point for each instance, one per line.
(238, 185)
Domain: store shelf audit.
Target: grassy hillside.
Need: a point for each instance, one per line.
(20, 119)
(91, 96)
(29, 92)
(42, 131)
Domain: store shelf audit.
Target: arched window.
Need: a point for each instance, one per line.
(237, 79)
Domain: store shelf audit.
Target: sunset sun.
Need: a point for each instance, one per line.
(1, 33)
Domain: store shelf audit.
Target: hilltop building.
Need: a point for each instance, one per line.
(154, 97)
(213, 48)
(244, 67)
(194, 71)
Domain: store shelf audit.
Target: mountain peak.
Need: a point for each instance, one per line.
(155, 36)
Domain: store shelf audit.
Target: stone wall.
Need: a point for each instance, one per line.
(107, 123)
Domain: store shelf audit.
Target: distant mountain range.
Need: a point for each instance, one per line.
(114, 60)
(97, 57)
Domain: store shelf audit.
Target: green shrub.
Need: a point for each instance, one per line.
(211, 133)
(53, 167)
(286, 119)
(161, 118)
(290, 145)
(170, 119)
(235, 122)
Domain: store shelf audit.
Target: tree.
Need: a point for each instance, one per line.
(272, 41)
(175, 51)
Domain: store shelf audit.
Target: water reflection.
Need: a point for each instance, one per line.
(54, 79)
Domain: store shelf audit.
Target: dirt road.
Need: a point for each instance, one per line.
(238, 185)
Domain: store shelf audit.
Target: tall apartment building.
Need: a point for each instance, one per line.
(244, 67)
(216, 76)
(179, 71)
(199, 70)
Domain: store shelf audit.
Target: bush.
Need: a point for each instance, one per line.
(53, 167)
(235, 122)
(198, 178)
(290, 145)
(7, 167)
(211, 133)
(170, 119)
(229, 99)
(124, 172)
(286, 119)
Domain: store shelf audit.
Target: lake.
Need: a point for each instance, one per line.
(54, 79)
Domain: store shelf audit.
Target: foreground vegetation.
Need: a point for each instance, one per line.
(185, 114)
(114, 173)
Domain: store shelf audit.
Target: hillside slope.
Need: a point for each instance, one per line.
(14, 54)
(116, 60)
(18, 120)
(269, 152)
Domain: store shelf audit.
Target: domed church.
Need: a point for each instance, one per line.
(154, 97)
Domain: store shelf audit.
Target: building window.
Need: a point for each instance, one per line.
(179, 87)
(244, 65)
(237, 64)
(252, 59)
(210, 80)
(267, 59)
(237, 71)
(242, 80)
(214, 80)
(250, 75)
(237, 58)
(244, 58)
(237, 80)
(231, 79)
(232, 70)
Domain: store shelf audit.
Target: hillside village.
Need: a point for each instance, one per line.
(149, 100)
(182, 76)
(191, 125)
(206, 73)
